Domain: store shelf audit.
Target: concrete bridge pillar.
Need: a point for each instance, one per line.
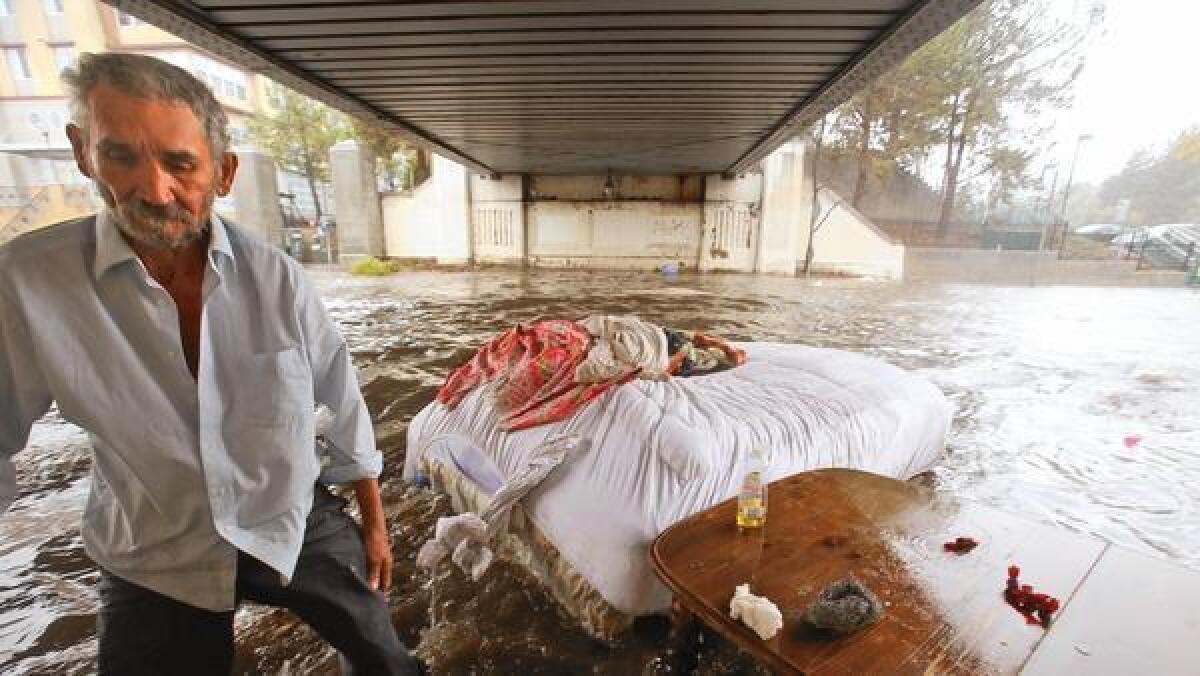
(356, 201)
(786, 205)
(256, 195)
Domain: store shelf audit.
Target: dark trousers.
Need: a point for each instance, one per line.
(144, 632)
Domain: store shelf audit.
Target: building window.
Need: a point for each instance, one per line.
(226, 82)
(127, 19)
(5, 10)
(18, 64)
(53, 6)
(275, 95)
(64, 56)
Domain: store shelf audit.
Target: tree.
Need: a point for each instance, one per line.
(881, 129)
(1162, 187)
(995, 71)
(972, 98)
(298, 135)
(394, 157)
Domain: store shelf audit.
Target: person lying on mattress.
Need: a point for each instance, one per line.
(552, 368)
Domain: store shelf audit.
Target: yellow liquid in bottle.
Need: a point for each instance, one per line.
(752, 503)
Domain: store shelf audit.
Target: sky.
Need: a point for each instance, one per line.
(1139, 87)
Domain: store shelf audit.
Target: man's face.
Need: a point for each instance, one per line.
(151, 162)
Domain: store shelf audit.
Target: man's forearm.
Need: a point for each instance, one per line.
(370, 506)
(376, 543)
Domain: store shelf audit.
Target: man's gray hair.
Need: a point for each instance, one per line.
(146, 77)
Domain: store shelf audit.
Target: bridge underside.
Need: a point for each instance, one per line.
(571, 86)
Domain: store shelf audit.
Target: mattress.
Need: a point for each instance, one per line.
(660, 451)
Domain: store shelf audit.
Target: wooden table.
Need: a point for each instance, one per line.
(944, 612)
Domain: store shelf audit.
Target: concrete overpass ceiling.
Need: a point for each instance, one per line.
(571, 86)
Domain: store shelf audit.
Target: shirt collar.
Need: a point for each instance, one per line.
(112, 249)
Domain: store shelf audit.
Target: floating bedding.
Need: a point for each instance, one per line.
(656, 452)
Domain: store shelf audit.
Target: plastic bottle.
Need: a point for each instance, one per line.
(752, 499)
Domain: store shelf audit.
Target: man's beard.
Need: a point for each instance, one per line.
(152, 224)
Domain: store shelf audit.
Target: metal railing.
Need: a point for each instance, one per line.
(1163, 254)
(1169, 250)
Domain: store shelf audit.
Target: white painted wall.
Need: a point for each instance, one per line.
(849, 243)
(642, 222)
(450, 180)
(412, 221)
(632, 235)
(756, 222)
(433, 220)
(732, 215)
(581, 188)
(498, 219)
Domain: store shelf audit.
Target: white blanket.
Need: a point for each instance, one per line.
(662, 451)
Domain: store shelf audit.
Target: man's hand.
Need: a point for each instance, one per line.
(376, 542)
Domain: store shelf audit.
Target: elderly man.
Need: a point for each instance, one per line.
(194, 354)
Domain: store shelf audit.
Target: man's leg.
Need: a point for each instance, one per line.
(144, 632)
(329, 592)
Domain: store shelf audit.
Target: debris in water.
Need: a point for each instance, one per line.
(1132, 440)
(1083, 650)
(1037, 608)
(961, 545)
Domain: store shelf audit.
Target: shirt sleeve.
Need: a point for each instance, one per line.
(24, 395)
(352, 454)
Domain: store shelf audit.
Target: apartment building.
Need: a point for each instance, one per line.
(38, 38)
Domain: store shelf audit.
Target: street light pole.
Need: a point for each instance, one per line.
(1048, 211)
(1062, 216)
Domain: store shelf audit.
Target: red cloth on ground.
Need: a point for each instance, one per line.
(537, 364)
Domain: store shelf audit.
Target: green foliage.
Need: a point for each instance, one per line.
(1162, 187)
(970, 97)
(298, 135)
(395, 158)
(373, 267)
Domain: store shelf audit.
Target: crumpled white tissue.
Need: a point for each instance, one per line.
(464, 538)
(756, 612)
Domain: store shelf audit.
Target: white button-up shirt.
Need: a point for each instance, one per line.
(185, 471)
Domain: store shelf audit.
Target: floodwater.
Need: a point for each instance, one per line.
(1075, 406)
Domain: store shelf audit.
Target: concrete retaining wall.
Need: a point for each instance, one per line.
(640, 235)
(412, 220)
(753, 223)
(732, 219)
(848, 243)
(498, 220)
(634, 222)
(1027, 268)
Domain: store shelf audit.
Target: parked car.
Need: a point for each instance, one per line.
(1102, 232)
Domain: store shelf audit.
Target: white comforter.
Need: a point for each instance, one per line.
(661, 451)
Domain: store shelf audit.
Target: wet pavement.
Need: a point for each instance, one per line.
(1075, 406)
